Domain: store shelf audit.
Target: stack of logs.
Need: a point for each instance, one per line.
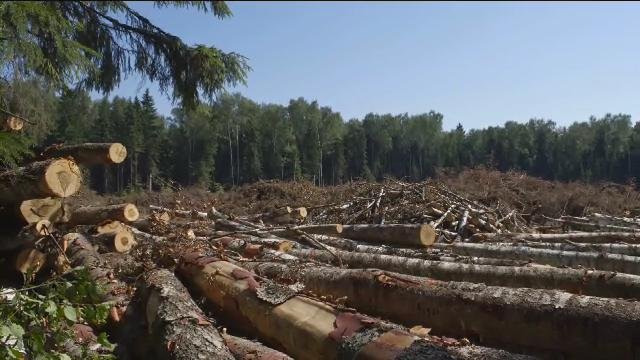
(364, 279)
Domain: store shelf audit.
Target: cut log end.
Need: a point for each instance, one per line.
(427, 235)
(301, 212)
(43, 227)
(30, 261)
(117, 153)
(123, 241)
(130, 212)
(62, 178)
(13, 123)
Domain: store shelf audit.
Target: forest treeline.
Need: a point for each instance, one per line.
(235, 140)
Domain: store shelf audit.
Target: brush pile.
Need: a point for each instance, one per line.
(390, 271)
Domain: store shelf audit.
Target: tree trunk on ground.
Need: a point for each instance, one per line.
(120, 241)
(178, 328)
(82, 253)
(608, 262)
(416, 235)
(55, 178)
(27, 236)
(182, 213)
(31, 211)
(91, 215)
(579, 237)
(586, 282)
(548, 320)
(29, 261)
(303, 327)
(244, 349)
(624, 249)
(89, 153)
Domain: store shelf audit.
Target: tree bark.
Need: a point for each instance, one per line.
(244, 349)
(89, 153)
(416, 235)
(92, 215)
(624, 249)
(594, 260)
(178, 328)
(579, 237)
(81, 253)
(586, 282)
(303, 327)
(120, 241)
(531, 319)
(55, 178)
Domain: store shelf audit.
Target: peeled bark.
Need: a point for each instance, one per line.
(579, 237)
(585, 282)
(89, 153)
(178, 328)
(244, 349)
(594, 260)
(417, 235)
(90, 215)
(55, 178)
(544, 320)
(303, 327)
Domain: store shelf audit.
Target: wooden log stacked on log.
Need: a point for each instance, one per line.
(89, 153)
(548, 319)
(92, 215)
(305, 328)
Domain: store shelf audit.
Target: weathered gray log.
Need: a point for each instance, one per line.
(624, 249)
(55, 178)
(89, 153)
(579, 237)
(179, 329)
(610, 262)
(586, 282)
(549, 320)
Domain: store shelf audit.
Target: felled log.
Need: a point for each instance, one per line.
(109, 226)
(549, 320)
(303, 327)
(27, 236)
(12, 124)
(31, 211)
(594, 260)
(55, 178)
(580, 237)
(81, 253)
(88, 215)
(120, 241)
(181, 213)
(391, 234)
(152, 222)
(89, 153)
(624, 249)
(585, 282)
(178, 328)
(244, 349)
(29, 261)
(437, 255)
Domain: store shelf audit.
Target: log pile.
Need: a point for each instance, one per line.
(396, 271)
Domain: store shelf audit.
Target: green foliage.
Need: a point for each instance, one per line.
(13, 148)
(36, 322)
(97, 44)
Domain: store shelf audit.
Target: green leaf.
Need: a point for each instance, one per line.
(104, 341)
(64, 357)
(16, 330)
(51, 307)
(70, 313)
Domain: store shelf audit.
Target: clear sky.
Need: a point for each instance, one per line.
(479, 64)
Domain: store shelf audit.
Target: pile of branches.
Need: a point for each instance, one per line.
(396, 271)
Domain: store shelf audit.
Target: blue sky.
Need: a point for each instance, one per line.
(479, 64)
